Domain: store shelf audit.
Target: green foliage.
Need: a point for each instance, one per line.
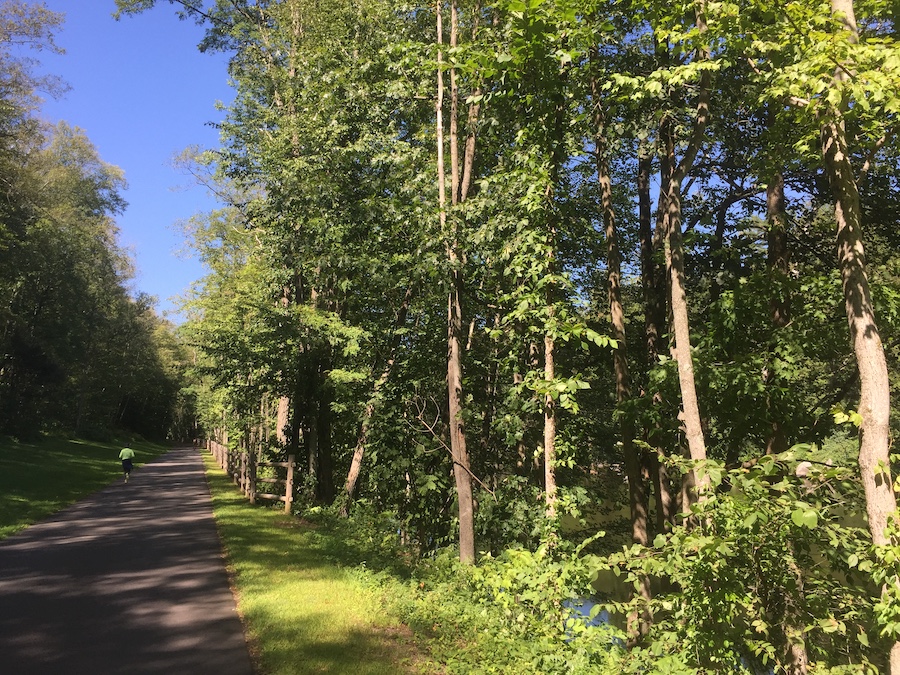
(509, 615)
(768, 558)
(328, 286)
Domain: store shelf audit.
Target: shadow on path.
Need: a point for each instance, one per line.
(130, 580)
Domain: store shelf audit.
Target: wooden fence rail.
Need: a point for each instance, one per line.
(243, 468)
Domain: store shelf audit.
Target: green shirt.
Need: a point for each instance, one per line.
(127, 453)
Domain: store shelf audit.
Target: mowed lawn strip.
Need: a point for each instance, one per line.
(302, 612)
(37, 479)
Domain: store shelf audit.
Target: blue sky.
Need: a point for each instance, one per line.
(142, 92)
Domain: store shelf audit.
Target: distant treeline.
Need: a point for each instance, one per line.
(78, 353)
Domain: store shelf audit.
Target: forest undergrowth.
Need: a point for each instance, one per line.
(768, 556)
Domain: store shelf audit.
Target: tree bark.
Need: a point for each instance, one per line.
(654, 297)
(550, 488)
(557, 158)
(777, 244)
(282, 422)
(633, 465)
(459, 453)
(874, 394)
(690, 408)
(461, 463)
(779, 305)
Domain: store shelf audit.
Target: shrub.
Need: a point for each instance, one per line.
(768, 560)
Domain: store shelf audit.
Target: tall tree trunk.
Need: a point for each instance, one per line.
(874, 394)
(793, 631)
(640, 531)
(778, 255)
(637, 491)
(459, 452)
(690, 408)
(779, 305)
(653, 287)
(792, 625)
(461, 463)
(558, 159)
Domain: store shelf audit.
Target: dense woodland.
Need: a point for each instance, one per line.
(80, 351)
(566, 287)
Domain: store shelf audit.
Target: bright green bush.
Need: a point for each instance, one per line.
(508, 614)
(766, 560)
(772, 556)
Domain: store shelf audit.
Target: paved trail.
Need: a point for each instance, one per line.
(130, 580)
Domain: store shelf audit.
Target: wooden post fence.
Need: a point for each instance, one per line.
(243, 469)
(288, 482)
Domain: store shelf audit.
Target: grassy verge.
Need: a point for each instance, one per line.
(38, 479)
(305, 606)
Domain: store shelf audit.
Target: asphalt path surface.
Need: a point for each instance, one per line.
(130, 580)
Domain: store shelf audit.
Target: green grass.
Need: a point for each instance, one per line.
(38, 479)
(303, 610)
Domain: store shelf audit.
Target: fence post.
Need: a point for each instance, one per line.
(252, 494)
(289, 485)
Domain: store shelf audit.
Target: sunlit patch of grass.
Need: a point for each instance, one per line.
(38, 479)
(303, 613)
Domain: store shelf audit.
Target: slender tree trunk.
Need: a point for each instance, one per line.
(558, 158)
(549, 430)
(779, 306)
(633, 466)
(637, 491)
(653, 287)
(777, 244)
(874, 395)
(461, 465)
(690, 408)
(793, 630)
